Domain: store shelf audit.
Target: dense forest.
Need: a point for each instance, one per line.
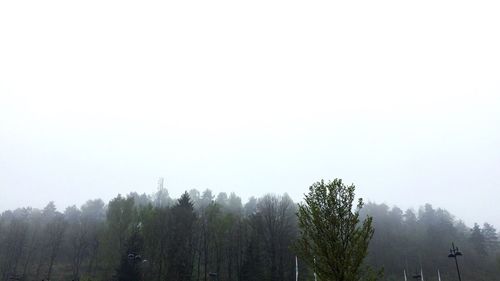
(202, 236)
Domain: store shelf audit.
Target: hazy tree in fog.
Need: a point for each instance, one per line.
(156, 233)
(250, 207)
(49, 213)
(276, 215)
(181, 243)
(140, 200)
(93, 217)
(55, 231)
(206, 198)
(161, 198)
(194, 195)
(221, 199)
(205, 214)
(490, 238)
(477, 239)
(194, 237)
(82, 235)
(34, 239)
(120, 223)
(14, 240)
(390, 222)
(77, 239)
(131, 262)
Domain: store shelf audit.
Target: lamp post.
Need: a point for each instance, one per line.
(213, 275)
(136, 262)
(454, 253)
(133, 258)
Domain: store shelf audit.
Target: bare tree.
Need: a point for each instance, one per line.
(277, 214)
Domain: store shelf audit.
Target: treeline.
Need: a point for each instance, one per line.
(421, 239)
(205, 237)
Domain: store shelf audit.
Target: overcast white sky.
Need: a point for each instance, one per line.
(103, 97)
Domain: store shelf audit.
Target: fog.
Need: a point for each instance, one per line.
(104, 97)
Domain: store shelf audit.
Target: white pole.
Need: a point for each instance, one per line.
(315, 277)
(296, 269)
(406, 279)
(439, 276)
(421, 274)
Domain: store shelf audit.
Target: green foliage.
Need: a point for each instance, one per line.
(131, 260)
(332, 241)
(189, 238)
(120, 218)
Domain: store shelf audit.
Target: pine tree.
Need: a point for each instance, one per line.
(181, 244)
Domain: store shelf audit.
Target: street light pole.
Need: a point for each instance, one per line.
(136, 261)
(417, 275)
(454, 252)
(214, 276)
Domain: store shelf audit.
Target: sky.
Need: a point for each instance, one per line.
(103, 97)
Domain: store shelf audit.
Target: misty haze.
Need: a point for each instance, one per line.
(249, 141)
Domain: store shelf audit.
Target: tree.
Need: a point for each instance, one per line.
(491, 238)
(477, 239)
(77, 239)
(181, 243)
(13, 244)
(93, 217)
(332, 240)
(161, 198)
(276, 223)
(56, 229)
(53, 230)
(131, 260)
(119, 226)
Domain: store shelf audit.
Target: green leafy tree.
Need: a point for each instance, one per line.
(119, 226)
(332, 240)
